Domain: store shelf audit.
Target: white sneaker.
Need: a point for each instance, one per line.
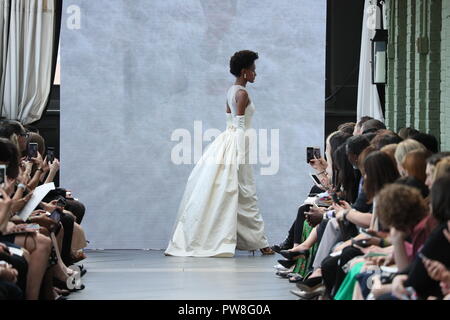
(279, 267)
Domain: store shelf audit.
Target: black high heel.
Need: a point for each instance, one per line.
(291, 255)
(286, 263)
(288, 243)
(63, 285)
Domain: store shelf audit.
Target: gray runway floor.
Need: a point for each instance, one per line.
(138, 275)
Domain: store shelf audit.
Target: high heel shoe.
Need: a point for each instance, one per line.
(63, 285)
(267, 251)
(294, 278)
(286, 263)
(285, 245)
(293, 255)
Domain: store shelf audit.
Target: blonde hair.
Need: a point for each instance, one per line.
(14, 139)
(442, 168)
(390, 150)
(404, 147)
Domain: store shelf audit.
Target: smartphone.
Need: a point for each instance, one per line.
(50, 154)
(410, 294)
(316, 152)
(33, 226)
(331, 214)
(387, 278)
(309, 154)
(61, 202)
(16, 251)
(55, 215)
(361, 243)
(2, 174)
(367, 233)
(375, 254)
(316, 180)
(335, 197)
(422, 256)
(32, 150)
(312, 153)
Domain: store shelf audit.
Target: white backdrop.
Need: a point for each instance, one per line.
(132, 72)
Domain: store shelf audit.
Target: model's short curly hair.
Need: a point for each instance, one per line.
(242, 60)
(400, 206)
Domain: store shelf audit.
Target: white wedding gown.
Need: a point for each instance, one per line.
(218, 212)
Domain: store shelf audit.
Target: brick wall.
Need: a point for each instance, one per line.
(418, 67)
(445, 76)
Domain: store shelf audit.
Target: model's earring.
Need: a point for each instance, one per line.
(245, 76)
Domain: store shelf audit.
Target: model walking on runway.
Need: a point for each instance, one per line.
(218, 212)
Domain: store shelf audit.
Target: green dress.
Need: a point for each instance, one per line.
(304, 265)
(345, 291)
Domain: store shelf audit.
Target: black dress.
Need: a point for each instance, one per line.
(437, 248)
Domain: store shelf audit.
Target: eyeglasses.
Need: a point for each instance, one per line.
(26, 134)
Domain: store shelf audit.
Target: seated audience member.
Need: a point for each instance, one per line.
(348, 127)
(358, 130)
(415, 162)
(385, 137)
(310, 219)
(324, 171)
(406, 133)
(18, 134)
(428, 140)
(337, 257)
(404, 210)
(378, 170)
(390, 151)
(39, 273)
(372, 125)
(402, 150)
(431, 166)
(436, 250)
